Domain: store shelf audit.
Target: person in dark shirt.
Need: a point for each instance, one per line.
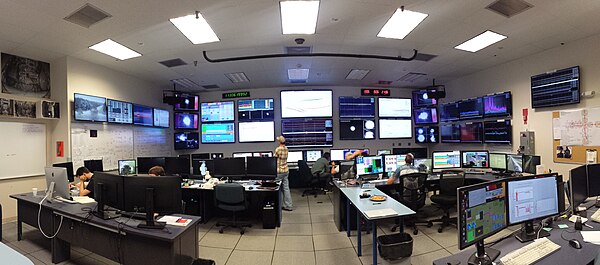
(84, 175)
(322, 166)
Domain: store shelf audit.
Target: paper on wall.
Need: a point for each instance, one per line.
(593, 127)
(556, 128)
(572, 127)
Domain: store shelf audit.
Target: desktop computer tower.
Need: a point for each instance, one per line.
(527, 143)
(269, 216)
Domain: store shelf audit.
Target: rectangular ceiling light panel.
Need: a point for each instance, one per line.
(480, 41)
(357, 74)
(298, 74)
(114, 49)
(196, 29)
(401, 24)
(299, 17)
(237, 77)
(184, 82)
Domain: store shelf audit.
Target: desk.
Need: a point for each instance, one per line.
(351, 195)
(11, 256)
(122, 243)
(200, 201)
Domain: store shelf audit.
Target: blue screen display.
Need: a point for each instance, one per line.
(218, 133)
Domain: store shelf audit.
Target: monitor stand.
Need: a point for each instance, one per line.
(527, 233)
(150, 223)
(100, 212)
(483, 256)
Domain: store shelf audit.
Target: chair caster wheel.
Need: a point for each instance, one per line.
(440, 230)
(220, 231)
(315, 195)
(241, 232)
(430, 224)
(393, 229)
(416, 232)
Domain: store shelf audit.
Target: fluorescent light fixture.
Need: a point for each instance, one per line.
(237, 77)
(401, 24)
(480, 41)
(411, 77)
(114, 49)
(195, 28)
(184, 82)
(357, 74)
(298, 74)
(299, 17)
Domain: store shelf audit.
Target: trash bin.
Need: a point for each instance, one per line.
(204, 262)
(395, 246)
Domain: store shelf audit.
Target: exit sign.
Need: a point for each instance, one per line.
(242, 94)
(375, 92)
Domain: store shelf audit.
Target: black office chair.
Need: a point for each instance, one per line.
(308, 179)
(413, 195)
(231, 197)
(450, 180)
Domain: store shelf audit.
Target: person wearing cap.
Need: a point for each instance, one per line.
(281, 152)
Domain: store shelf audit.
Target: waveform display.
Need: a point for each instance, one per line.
(497, 105)
(449, 112)
(307, 132)
(351, 107)
(497, 131)
(471, 132)
(470, 108)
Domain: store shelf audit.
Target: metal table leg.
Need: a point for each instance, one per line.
(348, 217)
(358, 234)
(374, 242)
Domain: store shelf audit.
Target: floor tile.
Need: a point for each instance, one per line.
(321, 209)
(293, 258)
(324, 228)
(298, 209)
(424, 244)
(243, 257)
(28, 246)
(217, 240)
(219, 255)
(295, 229)
(251, 242)
(427, 259)
(345, 256)
(329, 242)
(296, 218)
(294, 243)
(447, 238)
(35, 260)
(321, 218)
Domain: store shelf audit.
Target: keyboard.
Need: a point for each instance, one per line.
(531, 253)
(65, 200)
(596, 216)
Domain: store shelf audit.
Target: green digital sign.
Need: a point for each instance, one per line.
(242, 94)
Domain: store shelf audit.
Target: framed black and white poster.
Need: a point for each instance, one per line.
(25, 77)
(7, 107)
(50, 110)
(25, 109)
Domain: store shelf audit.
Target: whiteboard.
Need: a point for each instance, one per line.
(23, 149)
(152, 142)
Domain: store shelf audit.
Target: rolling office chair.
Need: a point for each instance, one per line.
(309, 179)
(231, 197)
(412, 193)
(450, 180)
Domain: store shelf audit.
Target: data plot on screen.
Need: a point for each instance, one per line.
(301, 104)
(255, 109)
(351, 107)
(256, 131)
(307, 132)
(217, 111)
(395, 107)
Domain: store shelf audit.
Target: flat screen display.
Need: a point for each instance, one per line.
(294, 156)
(186, 120)
(357, 129)
(310, 103)
(556, 88)
(216, 133)
(127, 167)
(249, 154)
(142, 115)
(426, 116)
(89, 108)
(395, 129)
(337, 154)
(367, 165)
(427, 134)
(262, 154)
(260, 131)
(450, 133)
(392, 162)
(497, 105)
(497, 131)
(471, 132)
(186, 140)
(498, 161)
(351, 151)
(514, 163)
(421, 99)
(307, 132)
(531, 199)
(470, 108)
(450, 159)
(256, 109)
(449, 112)
(530, 162)
(217, 111)
(161, 118)
(351, 107)
(119, 111)
(475, 159)
(395, 108)
(313, 155)
(187, 103)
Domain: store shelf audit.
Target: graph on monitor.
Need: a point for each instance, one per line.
(351, 107)
(300, 104)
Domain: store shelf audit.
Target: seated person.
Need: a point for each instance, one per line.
(323, 166)
(407, 168)
(156, 171)
(84, 175)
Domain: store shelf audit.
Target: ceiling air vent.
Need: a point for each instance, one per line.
(509, 8)
(298, 49)
(211, 86)
(87, 16)
(173, 62)
(424, 57)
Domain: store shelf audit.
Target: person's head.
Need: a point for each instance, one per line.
(327, 155)
(410, 159)
(280, 139)
(156, 171)
(83, 173)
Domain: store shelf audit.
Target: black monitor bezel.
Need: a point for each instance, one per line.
(115, 122)
(105, 106)
(433, 162)
(462, 162)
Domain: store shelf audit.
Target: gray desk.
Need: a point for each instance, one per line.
(10, 256)
(364, 205)
(122, 243)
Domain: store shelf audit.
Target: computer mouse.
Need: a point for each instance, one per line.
(575, 243)
(250, 188)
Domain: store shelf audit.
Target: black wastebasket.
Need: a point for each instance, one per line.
(395, 246)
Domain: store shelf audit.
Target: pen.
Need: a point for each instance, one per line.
(375, 203)
(589, 226)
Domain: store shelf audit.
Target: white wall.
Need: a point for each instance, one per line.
(515, 77)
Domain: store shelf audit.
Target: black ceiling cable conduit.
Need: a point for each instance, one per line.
(321, 54)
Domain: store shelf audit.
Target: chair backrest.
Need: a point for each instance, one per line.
(304, 171)
(414, 189)
(230, 194)
(450, 180)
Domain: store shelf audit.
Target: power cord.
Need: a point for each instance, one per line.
(38, 220)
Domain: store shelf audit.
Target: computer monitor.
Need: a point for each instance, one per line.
(351, 151)
(446, 159)
(313, 155)
(368, 165)
(201, 156)
(200, 166)
(392, 162)
(294, 156)
(108, 191)
(94, 165)
(475, 159)
(177, 165)
(151, 194)
(481, 214)
(498, 161)
(261, 167)
(578, 182)
(529, 199)
(230, 167)
(593, 179)
(58, 176)
(246, 154)
(337, 154)
(127, 167)
(146, 163)
(418, 152)
(69, 167)
(423, 164)
(514, 163)
(530, 162)
(384, 152)
(262, 154)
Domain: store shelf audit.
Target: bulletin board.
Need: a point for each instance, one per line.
(574, 132)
